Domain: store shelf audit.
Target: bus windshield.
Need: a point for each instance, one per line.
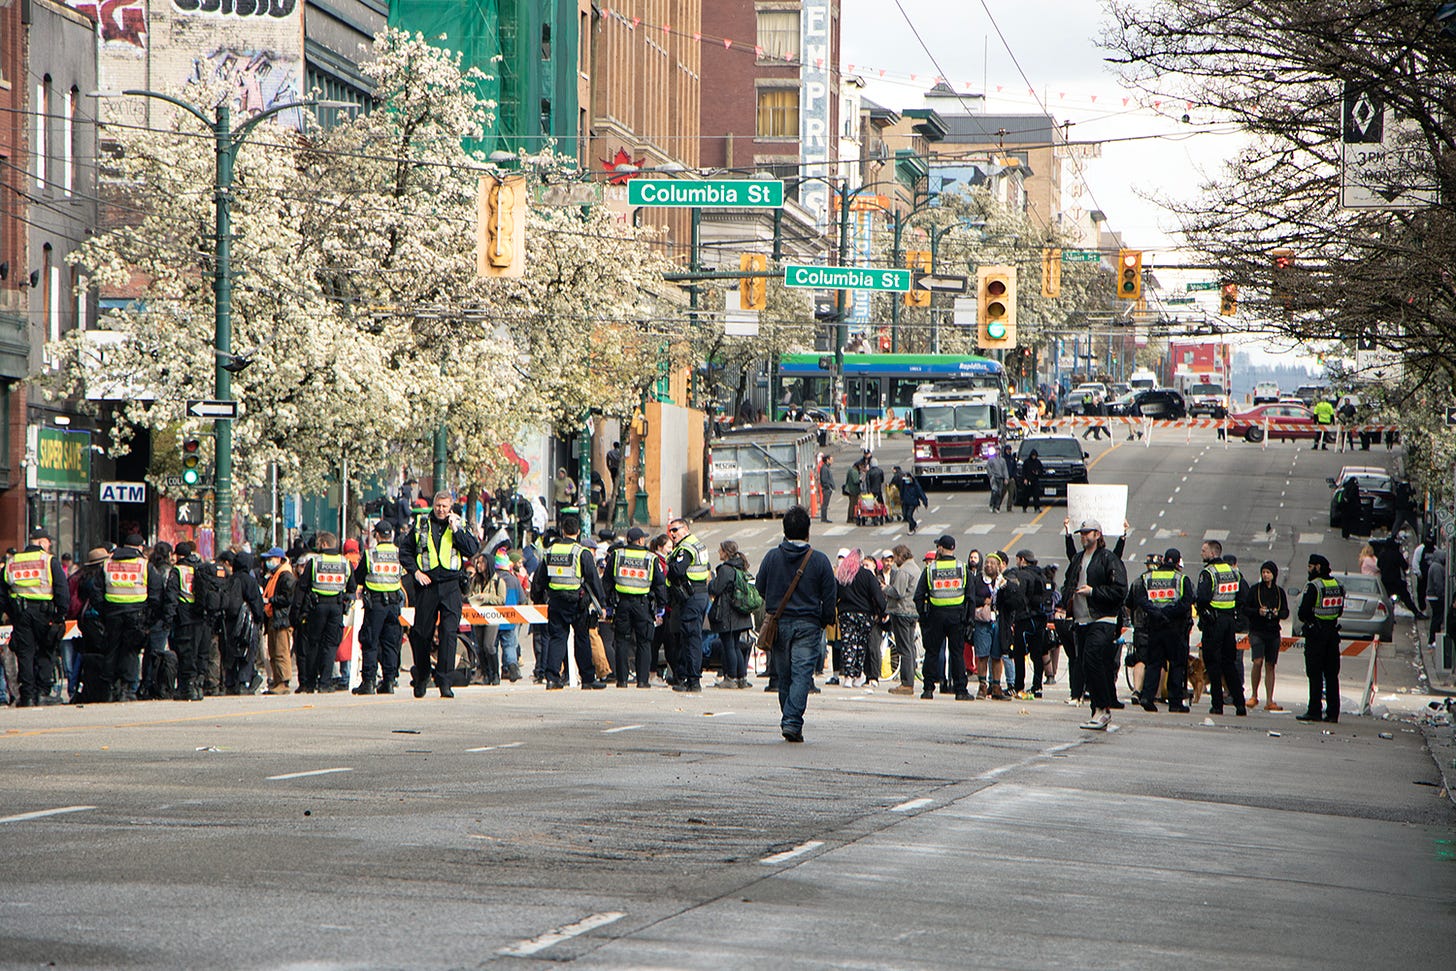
(955, 418)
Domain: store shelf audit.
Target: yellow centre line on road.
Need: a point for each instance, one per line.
(1041, 515)
(16, 733)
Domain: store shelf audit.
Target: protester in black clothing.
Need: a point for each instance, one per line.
(1031, 472)
(1023, 611)
(1093, 593)
(874, 480)
(1393, 566)
(1352, 511)
(1265, 605)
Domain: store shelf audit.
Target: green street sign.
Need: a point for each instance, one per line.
(846, 278)
(1179, 300)
(1201, 286)
(707, 194)
(1080, 256)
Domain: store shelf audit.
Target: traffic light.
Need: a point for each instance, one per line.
(1228, 299)
(917, 259)
(1051, 272)
(191, 462)
(996, 306)
(1280, 283)
(753, 290)
(501, 227)
(1129, 274)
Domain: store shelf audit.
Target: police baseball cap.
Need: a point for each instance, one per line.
(135, 540)
(636, 533)
(1173, 557)
(1088, 525)
(1026, 555)
(384, 528)
(1316, 559)
(40, 532)
(946, 542)
(1152, 558)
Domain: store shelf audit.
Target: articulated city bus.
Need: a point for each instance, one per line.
(875, 383)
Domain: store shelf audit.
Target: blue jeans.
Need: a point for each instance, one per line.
(505, 642)
(796, 651)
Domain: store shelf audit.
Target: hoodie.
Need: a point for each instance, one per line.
(1436, 577)
(817, 593)
(1266, 597)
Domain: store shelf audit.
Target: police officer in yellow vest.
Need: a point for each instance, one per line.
(124, 609)
(568, 582)
(1324, 419)
(190, 630)
(1218, 600)
(1319, 611)
(38, 601)
(434, 553)
(636, 587)
(378, 574)
(326, 589)
(941, 602)
(1164, 597)
(688, 573)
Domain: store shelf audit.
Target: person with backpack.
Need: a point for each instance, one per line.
(244, 619)
(159, 664)
(735, 600)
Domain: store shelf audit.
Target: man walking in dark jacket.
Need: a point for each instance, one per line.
(826, 486)
(1094, 592)
(806, 611)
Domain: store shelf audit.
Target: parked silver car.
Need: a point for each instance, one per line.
(1368, 609)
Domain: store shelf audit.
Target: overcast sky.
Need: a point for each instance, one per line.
(1056, 43)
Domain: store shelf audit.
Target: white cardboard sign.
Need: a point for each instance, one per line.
(1105, 503)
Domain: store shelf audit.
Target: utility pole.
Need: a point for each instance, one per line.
(226, 142)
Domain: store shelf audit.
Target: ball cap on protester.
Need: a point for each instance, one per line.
(1089, 525)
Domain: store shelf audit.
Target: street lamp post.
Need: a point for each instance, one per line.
(226, 142)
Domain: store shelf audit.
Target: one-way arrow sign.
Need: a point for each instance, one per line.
(212, 409)
(940, 283)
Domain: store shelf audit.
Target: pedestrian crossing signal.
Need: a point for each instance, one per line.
(191, 461)
(753, 290)
(1228, 300)
(501, 227)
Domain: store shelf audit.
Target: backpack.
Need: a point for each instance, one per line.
(746, 598)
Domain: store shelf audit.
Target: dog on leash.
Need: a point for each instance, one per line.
(1197, 680)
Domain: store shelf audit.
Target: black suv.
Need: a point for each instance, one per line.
(1063, 459)
(1158, 403)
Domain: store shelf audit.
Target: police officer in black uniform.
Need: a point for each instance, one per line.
(378, 576)
(1319, 611)
(688, 573)
(636, 587)
(940, 600)
(434, 554)
(189, 630)
(1218, 600)
(39, 598)
(124, 611)
(568, 582)
(1165, 599)
(326, 590)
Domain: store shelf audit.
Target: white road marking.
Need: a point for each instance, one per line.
(719, 714)
(799, 850)
(837, 530)
(300, 775)
(1177, 489)
(566, 932)
(1218, 534)
(492, 748)
(1161, 512)
(980, 529)
(935, 509)
(620, 728)
(1185, 478)
(42, 813)
(905, 807)
(1164, 533)
(1143, 541)
(1170, 500)
(1030, 528)
(1310, 539)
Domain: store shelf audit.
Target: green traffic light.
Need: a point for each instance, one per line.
(191, 477)
(996, 330)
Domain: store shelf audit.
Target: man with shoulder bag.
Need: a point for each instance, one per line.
(798, 586)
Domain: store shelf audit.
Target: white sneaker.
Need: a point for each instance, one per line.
(1097, 723)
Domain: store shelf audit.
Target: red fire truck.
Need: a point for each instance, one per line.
(956, 429)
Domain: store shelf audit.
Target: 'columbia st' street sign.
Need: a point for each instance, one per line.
(846, 278)
(707, 194)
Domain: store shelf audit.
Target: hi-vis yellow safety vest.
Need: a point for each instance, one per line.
(633, 572)
(29, 575)
(1330, 602)
(330, 574)
(563, 566)
(126, 580)
(947, 580)
(382, 569)
(1225, 586)
(429, 556)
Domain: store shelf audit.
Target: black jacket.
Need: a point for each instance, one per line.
(1022, 593)
(412, 544)
(1263, 596)
(816, 595)
(862, 595)
(1107, 577)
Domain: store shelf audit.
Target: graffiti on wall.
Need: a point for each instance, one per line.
(122, 22)
(238, 8)
(259, 79)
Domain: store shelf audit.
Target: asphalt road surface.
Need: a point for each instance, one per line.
(647, 829)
